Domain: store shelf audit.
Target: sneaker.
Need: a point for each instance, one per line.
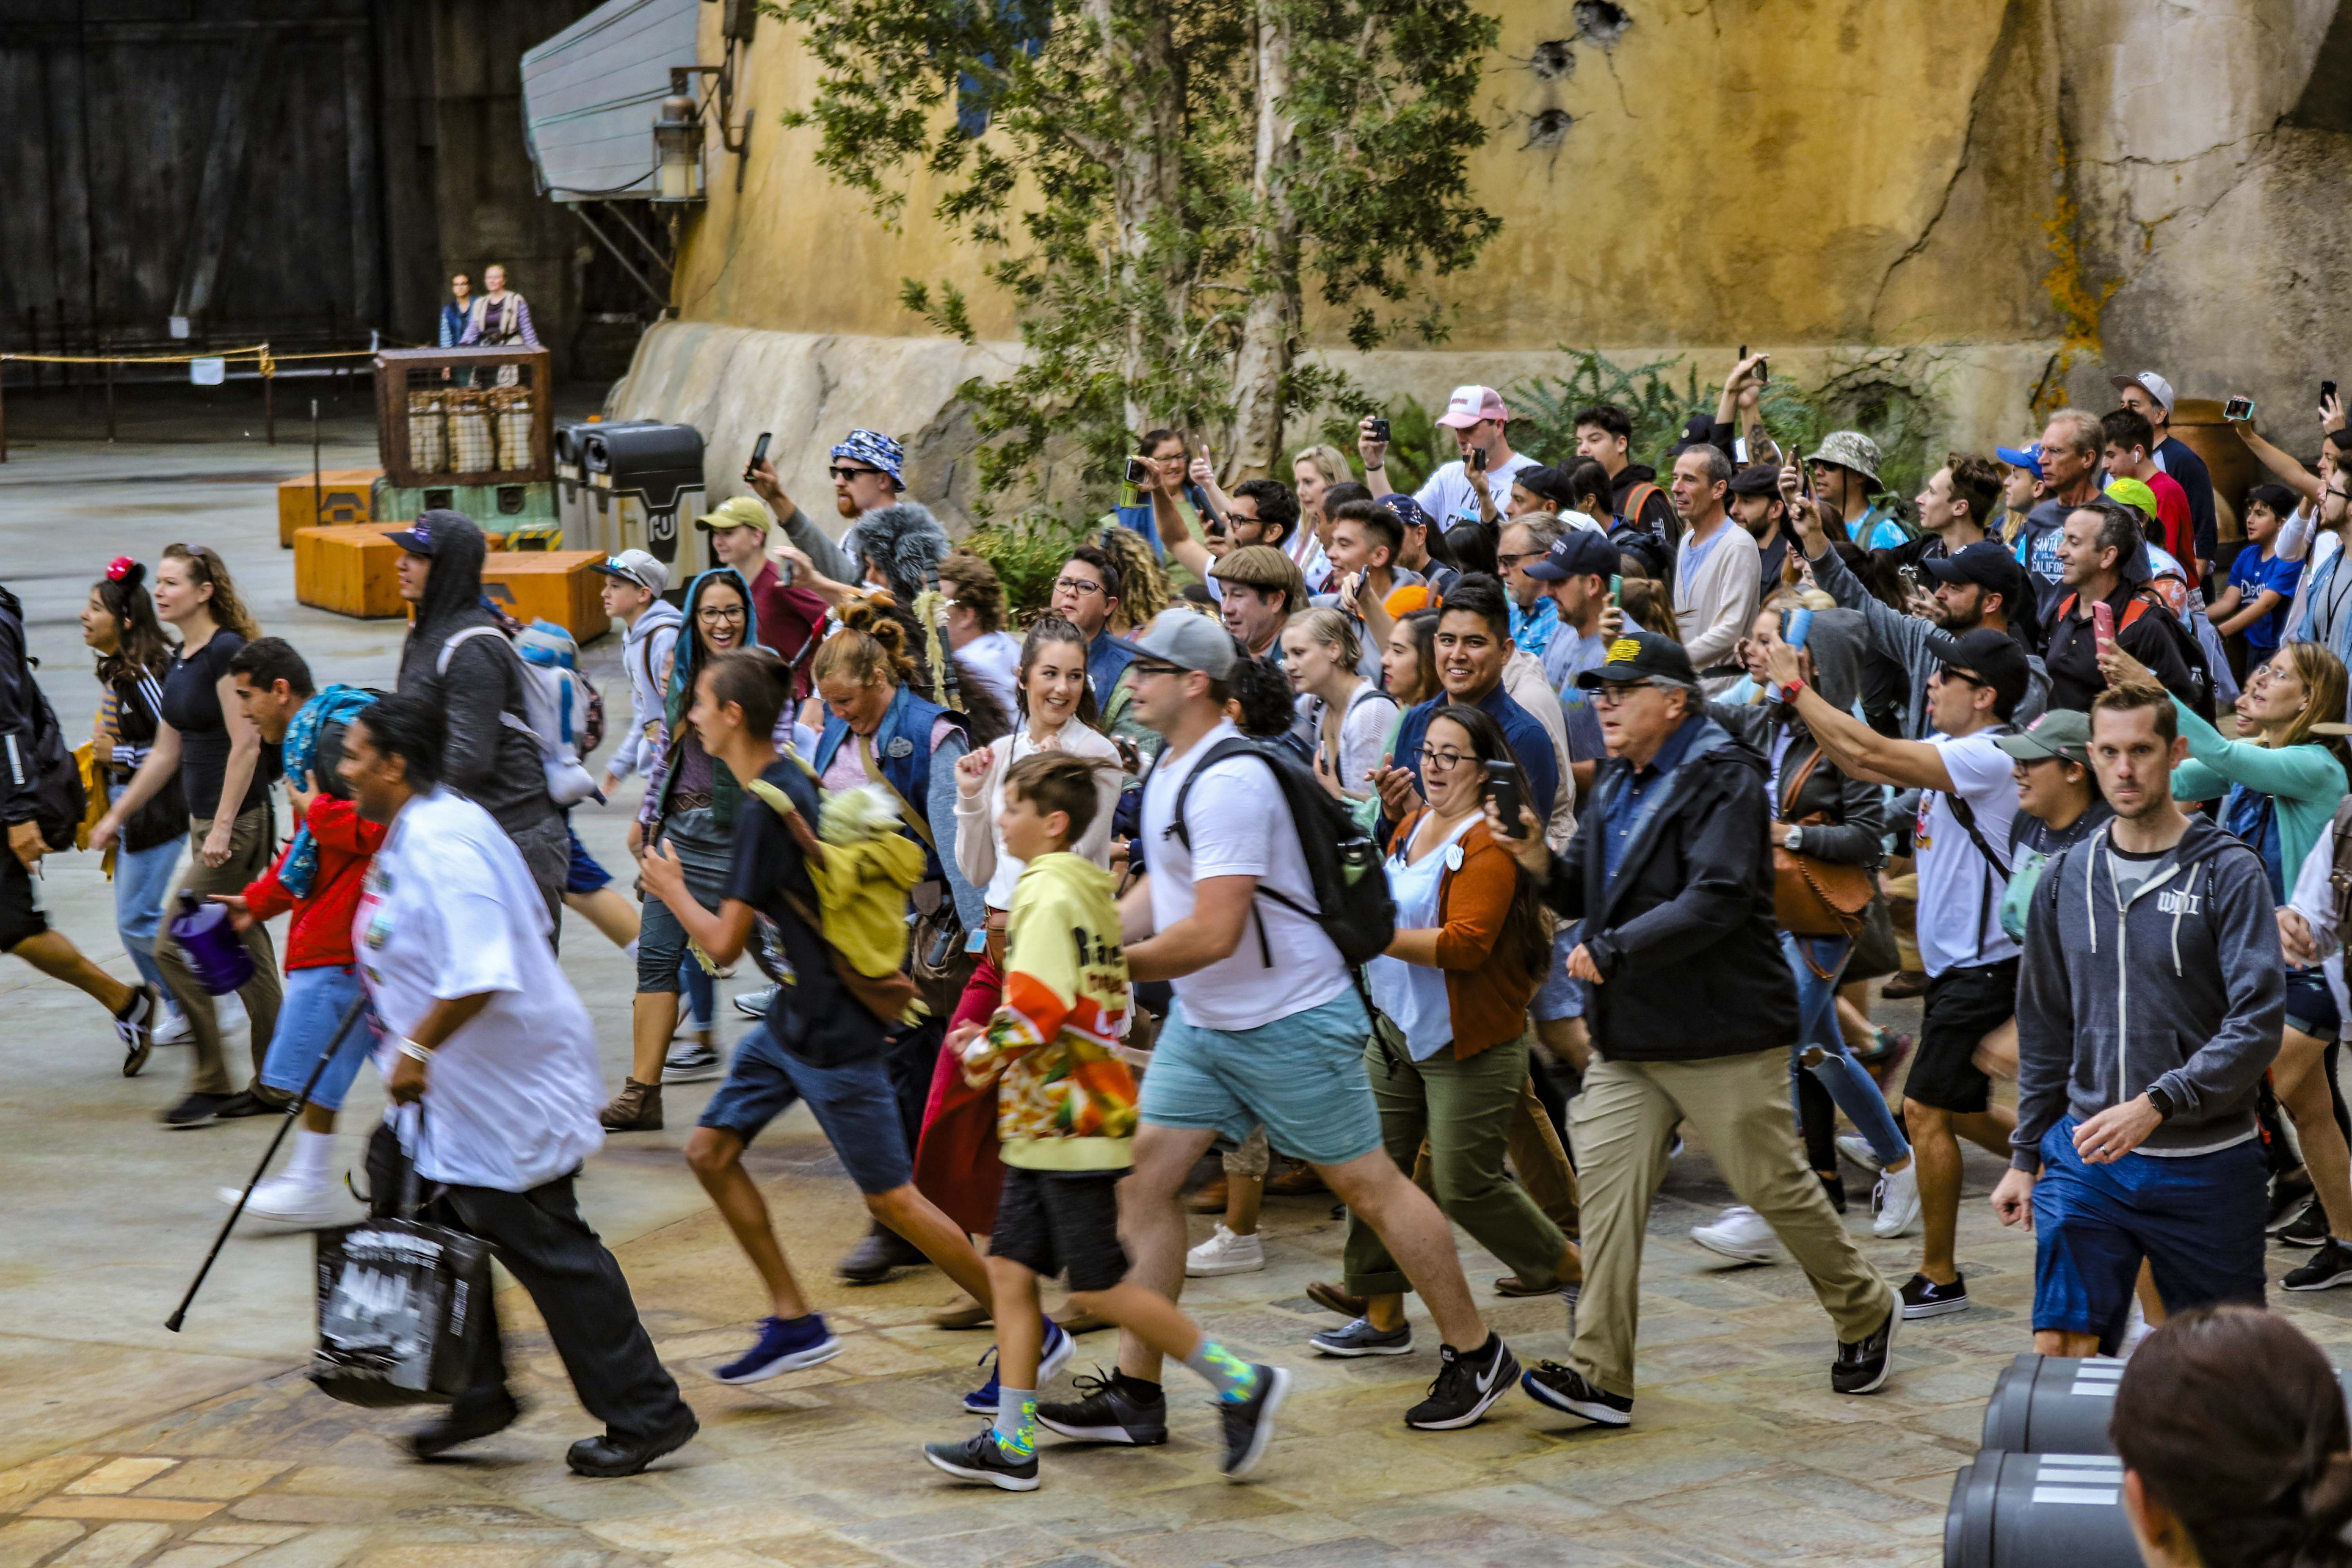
(754, 1004)
(1111, 1409)
(1862, 1367)
(1249, 1423)
(1563, 1389)
(1226, 1252)
(1467, 1384)
(194, 1111)
(1059, 1349)
(636, 1109)
(2290, 1190)
(2136, 1328)
(1360, 1338)
(284, 1200)
(2330, 1267)
(249, 1102)
(1923, 1297)
(174, 1028)
(2309, 1228)
(1895, 1201)
(980, 1457)
(879, 1252)
(695, 1063)
(135, 1027)
(1740, 1234)
(1859, 1150)
(785, 1344)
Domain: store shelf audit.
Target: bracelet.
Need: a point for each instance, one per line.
(414, 1052)
(1374, 467)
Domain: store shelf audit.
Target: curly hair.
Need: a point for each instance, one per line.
(1144, 586)
(976, 586)
(872, 646)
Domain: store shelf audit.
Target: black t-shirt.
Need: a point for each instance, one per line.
(2072, 658)
(192, 706)
(819, 1021)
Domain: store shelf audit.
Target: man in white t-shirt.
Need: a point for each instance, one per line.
(1967, 803)
(1252, 1040)
(1481, 426)
(483, 1032)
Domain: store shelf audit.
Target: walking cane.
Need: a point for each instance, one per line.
(294, 1110)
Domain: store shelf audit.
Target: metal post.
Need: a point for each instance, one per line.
(3, 411)
(33, 340)
(318, 503)
(109, 400)
(268, 407)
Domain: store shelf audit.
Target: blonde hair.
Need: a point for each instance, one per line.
(1142, 586)
(2324, 682)
(1329, 461)
(870, 649)
(206, 566)
(1330, 629)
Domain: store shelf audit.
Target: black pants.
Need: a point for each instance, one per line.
(578, 1288)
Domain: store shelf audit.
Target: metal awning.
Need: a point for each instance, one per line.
(590, 93)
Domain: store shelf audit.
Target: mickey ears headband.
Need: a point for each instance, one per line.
(119, 568)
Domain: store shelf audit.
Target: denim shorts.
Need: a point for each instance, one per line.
(583, 875)
(1303, 1076)
(314, 1004)
(854, 1104)
(1561, 995)
(2311, 1005)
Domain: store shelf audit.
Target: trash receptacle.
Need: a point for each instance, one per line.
(646, 482)
(2039, 1511)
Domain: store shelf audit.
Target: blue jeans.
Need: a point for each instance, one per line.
(315, 1002)
(142, 879)
(1817, 1029)
(701, 991)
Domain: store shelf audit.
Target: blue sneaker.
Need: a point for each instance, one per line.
(1059, 1349)
(786, 1344)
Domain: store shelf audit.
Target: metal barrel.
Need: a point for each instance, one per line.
(2056, 1404)
(2039, 1511)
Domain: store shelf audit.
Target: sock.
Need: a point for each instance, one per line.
(1016, 1422)
(311, 1151)
(1141, 1387)
(631, 951)
(1234, 1378)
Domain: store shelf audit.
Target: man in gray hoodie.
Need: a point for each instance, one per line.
(2149, 1008)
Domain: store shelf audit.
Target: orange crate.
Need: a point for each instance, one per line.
(341, 500)
(549, 585)
(350, 570)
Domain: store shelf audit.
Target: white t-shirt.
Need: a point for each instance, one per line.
(1959, 890)
(449, 909)
(1448, 497)
(1240, 826)
(994, 660)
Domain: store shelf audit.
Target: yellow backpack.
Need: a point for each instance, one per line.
(863, 870)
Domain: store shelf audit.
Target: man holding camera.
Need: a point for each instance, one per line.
(1481, 425)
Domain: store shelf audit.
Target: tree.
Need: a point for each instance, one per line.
(1160, 182)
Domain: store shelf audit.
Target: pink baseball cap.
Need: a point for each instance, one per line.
(1469, 404)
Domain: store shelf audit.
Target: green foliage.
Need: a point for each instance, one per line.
(1416, 448)
(1027, 554)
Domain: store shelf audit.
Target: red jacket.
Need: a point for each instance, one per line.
(320, 936)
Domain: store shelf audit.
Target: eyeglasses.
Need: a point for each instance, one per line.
(1078, 585)
(720, 613)
(1444, 759)
(845, 474)
(1503, 562)
(1144, 668)
(1611, 693)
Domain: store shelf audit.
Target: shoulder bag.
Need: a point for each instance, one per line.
(1810, 896)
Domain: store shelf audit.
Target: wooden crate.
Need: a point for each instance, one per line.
(349, 570)
(340, 500)
(426, 399)
(549, 585)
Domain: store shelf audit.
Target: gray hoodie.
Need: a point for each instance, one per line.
(2183, 986)
(645, 653)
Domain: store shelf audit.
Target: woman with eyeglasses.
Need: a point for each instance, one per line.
(688, 814)
(1349, 718)
(1448, 1055)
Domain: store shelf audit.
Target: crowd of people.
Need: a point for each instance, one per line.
(1462, 852)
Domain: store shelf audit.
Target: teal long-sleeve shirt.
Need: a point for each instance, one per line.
(2306, 781)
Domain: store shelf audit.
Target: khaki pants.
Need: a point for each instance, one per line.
(1537, 1159)
(1622, 1125)
(249, 850)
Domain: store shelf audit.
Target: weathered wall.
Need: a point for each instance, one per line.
(1983, 204)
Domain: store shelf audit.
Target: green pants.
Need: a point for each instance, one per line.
(1464, 1109)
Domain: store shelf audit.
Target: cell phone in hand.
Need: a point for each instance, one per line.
(1616, 587)
(758, 453)
(1504, 788)
(2238, 410)
(2326, 390)
(1380, 428)
(1139, 473)
(2103, 623)
(1477, 461)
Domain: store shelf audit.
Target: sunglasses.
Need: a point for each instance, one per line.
(845, 474)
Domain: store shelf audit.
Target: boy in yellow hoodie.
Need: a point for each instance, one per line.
(1066, 1116)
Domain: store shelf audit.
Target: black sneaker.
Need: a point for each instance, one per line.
(692, 1064)
(1249, 1423)
(2290, 1190)
(2330, 1267)
(246, 1103)
(983, 1459)
(1114, 1409)
(1563, 1389)
(1467, 1385)
(195, 1110)
(1862, 1367)
(2309, 1228)
(1923, 1297)
(135, 1027)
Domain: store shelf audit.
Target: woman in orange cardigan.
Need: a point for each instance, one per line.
(1449, 1046)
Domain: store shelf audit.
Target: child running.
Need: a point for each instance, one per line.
(1066, 1115)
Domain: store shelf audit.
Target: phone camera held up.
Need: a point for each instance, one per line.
(1380, 428)
(758, 453)
(2237, 409)
(1504, 789)
(1139, 473)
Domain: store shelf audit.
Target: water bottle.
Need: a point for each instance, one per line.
(1800, 627)
(215, 955)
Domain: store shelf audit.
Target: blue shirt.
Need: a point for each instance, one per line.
(1624, 812)
(1531, 628)
(1529, 740)
(1106, 662)
(2252, 573)
(1570, 655)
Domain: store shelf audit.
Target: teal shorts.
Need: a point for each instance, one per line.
(1303, 1076)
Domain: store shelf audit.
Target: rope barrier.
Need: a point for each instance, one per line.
(260, 354)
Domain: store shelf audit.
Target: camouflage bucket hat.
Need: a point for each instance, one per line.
(1849, 449)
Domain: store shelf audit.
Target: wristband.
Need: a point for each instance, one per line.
(1374, 467)
(2161, 1102)
(414, 1052)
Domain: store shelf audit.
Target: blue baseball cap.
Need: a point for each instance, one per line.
(1578, 553)
(2026, 457)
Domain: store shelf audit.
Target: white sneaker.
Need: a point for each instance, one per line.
(174, 1030)
(1859, 1150)
(2135, 1330)
(1742, 1234)
(1226, 1252)
(1895, 1201)
(284, 1200)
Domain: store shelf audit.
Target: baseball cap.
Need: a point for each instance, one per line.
(1985, 563)
(742, 511)
(1409, 511)
(1757, 480)
(1578, 553)
(2133, 492)
(1995, 659)
(2064, 732)
(2028, 458)
(2155, 386)
(1849, 449)
(417, 537)
(634, 566)
(1469, 404)
(1187, 640)
(1639, 656)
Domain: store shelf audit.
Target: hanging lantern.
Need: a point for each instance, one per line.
(677, 151)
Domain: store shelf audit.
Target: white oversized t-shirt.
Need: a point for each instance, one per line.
(1448, 497)
(449, 909)
(1959, 891)
(1240, 826)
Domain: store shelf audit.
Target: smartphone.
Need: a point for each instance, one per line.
(1381, 426)
(2102, 622)
(1477, 461)
(2237, 409)
(2326, 390)
(1139, 473)
(1616, 586)
(759, 453)
(1743, 351)
(1763, 371)
(1798, 627)
(1503, 787)
(1215, 527)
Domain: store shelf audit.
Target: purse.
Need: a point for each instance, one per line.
(1810, 896)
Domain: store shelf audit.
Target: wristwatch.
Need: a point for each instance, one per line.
(1793, 840)
(1788, 692)
(2162, 1102)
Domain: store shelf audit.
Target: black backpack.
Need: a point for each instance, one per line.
(1343, 864)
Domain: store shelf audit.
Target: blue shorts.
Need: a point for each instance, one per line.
(2311, 1005)
(1561, 995)
(1303, 1076)
(855, 1106)
(582, 875)
(314, 1004)
(2195, 1219)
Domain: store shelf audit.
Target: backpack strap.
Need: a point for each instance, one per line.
(1233, 746)
(1795, 785)
(1965, 814)
(507, 716)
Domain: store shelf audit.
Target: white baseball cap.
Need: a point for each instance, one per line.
(636, 567)
(1470, 404)
(2155, 386)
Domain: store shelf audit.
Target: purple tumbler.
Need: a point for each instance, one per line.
(215, 955)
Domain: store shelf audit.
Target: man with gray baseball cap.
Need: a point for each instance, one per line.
(2149, 396)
